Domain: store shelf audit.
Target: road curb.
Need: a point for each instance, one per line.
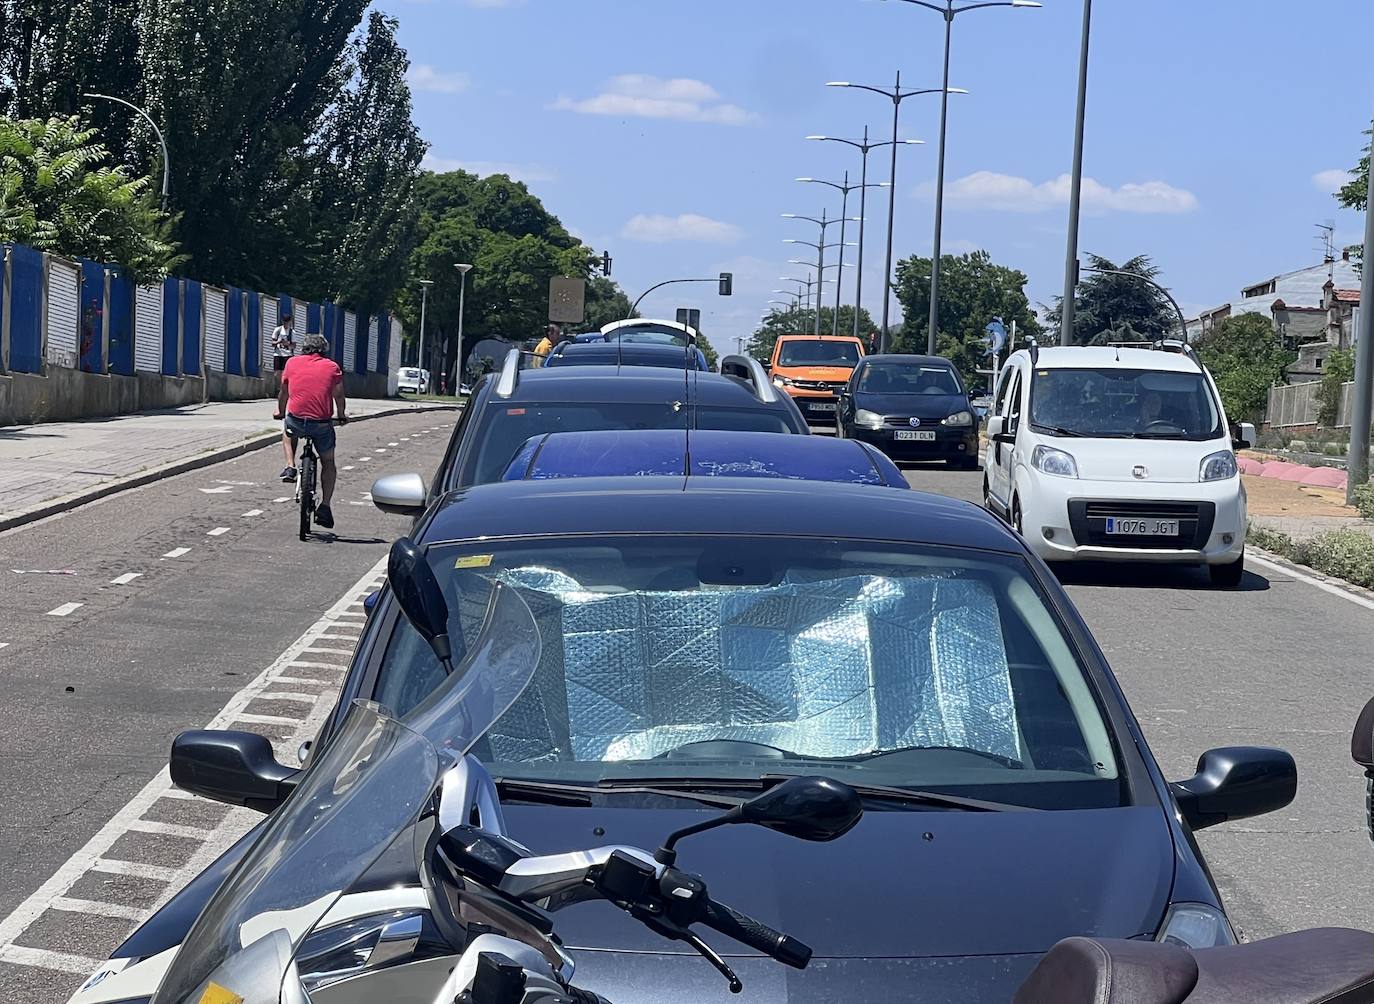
(66, 503)
(1329, 583)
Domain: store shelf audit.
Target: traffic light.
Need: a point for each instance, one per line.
(605, 263)
(727, 283)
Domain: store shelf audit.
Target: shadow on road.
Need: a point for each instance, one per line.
(325, 537)
(1096, 573)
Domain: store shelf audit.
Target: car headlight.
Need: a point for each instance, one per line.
(959, 420)
(1048, 460)
(869, 419)
(780, 381)
(1218, 466)
(342, 950)
(1196, 925)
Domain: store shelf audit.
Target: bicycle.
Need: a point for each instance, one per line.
(307, 467)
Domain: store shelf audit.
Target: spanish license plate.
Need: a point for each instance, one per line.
(1135, 526)
(825, 406)
(916, 435)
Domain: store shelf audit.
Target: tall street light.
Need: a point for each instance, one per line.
(896, 95)
(820, 247)
(947, 10)
(844, 190)
(863, 146)
(1076, 184)
(424, 299)
(166, 162)
(463, 270)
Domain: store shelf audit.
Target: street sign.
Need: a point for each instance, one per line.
(567, 300)
(689, 316)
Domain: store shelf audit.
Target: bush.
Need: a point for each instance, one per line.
(1271, 540)
(1339, 369)
(1346, 554)
(1274, 439)
(1364, 499)
(1334, 450)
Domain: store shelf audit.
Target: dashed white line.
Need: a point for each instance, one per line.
(4, 644)
(244, 716)
(362, 459)
(218, 531)
(329, 651)
(137, 869)
(125, 579)
(41, 958)
(286, 498)
(253, 512)
(99, 909)
(380, 449)
(221, 490)
(167, 829)
(65, 609)
(177, 552)
(285, 695)
(303, 664)
(393, 444)
(346, 467)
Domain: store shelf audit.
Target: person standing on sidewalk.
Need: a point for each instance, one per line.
(312, 392)
(552, 336)
(283, 343)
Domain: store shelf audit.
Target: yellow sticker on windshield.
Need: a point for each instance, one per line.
(473, 561)
(216, 994)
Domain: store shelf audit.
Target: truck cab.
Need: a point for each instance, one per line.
(812, 369)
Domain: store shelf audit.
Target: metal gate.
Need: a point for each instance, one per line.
(215, 308)
(62, 318)
(148, 329)
(269, 322)
(350, 339)
(372, 346)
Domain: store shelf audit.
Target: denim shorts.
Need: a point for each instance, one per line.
(319, 433)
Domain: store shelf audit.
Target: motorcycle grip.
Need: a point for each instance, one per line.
(748, 931)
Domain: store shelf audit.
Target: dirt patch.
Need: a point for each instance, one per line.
(1271, 497)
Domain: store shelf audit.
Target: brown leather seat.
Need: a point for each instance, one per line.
(1109, 971)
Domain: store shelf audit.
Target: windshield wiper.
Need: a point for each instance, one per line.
(1059, 430)
(568, 793)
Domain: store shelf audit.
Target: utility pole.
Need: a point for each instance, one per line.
(1076, 186)
(1358, 464)
(424, 300)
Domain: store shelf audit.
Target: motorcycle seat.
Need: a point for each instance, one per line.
(1110, 971)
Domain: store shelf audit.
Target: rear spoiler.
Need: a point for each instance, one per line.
(750, 371)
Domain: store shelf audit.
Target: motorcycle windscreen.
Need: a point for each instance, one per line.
(370, 783)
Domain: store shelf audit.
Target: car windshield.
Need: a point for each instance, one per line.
(818, 352)
(650, 335)
(410, 374)
(507, 426)
(1124, 404)
(719, 659)
(902, 378)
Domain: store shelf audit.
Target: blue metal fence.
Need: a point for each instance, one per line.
(92, 347)
(120, 317)
(233, 338)
(192, 300)
(26, 309)
(171, 327)
(252, 348)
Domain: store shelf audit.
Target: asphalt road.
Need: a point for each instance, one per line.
(99, 675)
(1278, 663)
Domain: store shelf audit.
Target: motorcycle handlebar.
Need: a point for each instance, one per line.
(748, 931)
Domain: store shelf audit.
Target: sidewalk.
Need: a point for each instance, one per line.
(1300, 511)
(51, 468)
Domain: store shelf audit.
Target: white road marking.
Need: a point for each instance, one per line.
(41, 958)
(253, 512)
(177, 552)
(286, 695)
(284, 499)
(320, 665)
(4, 644)
(393, 444)
(380, 449)
(167, 829)
(222, 490)
(218, 531)
(65, 609)
(361, 459)
(302, 681)
(346, 467)
(244, 716)
(99, 909)
(247, 484)
(125, 579)
(1274, 566)
(330, 651)
(352, 613)
(113, 866)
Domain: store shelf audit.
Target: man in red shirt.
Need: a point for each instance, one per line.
(312, 392)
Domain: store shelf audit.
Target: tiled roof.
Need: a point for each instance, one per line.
(1347, 295)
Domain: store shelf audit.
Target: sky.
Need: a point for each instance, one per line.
(670, 132)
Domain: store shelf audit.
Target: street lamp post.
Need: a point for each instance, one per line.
(820, 247)
(844, 190)
(424, 299)
(463, 270)
(1076, 184)
(166, 162)
(896, 95)
(948, 11)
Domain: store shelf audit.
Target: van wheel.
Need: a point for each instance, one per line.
(1228, 576)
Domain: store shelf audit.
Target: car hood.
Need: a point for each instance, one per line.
(900, 885)
(922, 406)
(1165, 461)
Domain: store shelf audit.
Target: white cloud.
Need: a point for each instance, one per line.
(1008, 193)
(660, 229)
(640, 95)
(423, 77)
(527, 173)
(1331, 181)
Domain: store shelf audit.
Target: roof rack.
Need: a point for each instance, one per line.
(1175, 345)
(510, 374)
(751, 371)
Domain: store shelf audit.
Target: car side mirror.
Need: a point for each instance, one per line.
(420, 596)
(1362, 752)
(1244, 437)
(237, 768)
(996, 423)
(400, 494)
(1236, 782)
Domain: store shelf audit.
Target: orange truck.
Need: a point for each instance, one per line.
(812, 369)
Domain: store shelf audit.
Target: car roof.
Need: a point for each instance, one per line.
(636, 384)
(701, 453)
(614, 354)
(1109, 357)
(819, 338)
(715, 505)
(909, 360)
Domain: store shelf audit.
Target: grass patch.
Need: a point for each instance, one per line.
(1346, 554)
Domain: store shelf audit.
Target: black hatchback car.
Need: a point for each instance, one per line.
(911, 408)
(705, 638)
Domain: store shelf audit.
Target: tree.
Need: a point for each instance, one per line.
(1354, 194)
(1338, 370)
(1246, 356)
(973, 291)
(795, 321)
(59, 194)
(1117, 308)
(606, 302)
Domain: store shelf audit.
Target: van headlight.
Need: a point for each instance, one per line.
(1218, 466)
(335, 953)
(868, 419)
(1048, 460)
(781, 381)
(959, 420)
(1196, 925)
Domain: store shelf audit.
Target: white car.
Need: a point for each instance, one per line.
(409, 378)
(1117, 454)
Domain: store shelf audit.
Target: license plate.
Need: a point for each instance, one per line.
(822, 407)
(917, 435)
(1134, 526)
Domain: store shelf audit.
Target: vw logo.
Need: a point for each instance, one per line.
(1140, 471)
(913, 422)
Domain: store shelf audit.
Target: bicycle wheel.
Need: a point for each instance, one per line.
(307, 486)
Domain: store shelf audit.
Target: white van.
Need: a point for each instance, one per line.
(1117, 454)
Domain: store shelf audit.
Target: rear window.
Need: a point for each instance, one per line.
(818, 352)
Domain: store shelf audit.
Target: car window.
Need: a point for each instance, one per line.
(1013, 403)
(676, 657)
(1003, 385)
(817, 352)
(1128, 404)
(904, 378)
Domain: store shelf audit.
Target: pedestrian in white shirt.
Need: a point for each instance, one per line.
(283, 343)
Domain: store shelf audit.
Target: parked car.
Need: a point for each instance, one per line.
(616, 353)
(701, 453)
(650, 331)
(1117, 453)
(811, 370)
(910, 407)
(412, 379)
(508, 407)
(703, 640)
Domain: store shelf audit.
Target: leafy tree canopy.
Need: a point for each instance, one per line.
(1246, 357)
(1354, 194)
(1338, 370)
(1117, 308)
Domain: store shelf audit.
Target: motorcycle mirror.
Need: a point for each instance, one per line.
(421, 599)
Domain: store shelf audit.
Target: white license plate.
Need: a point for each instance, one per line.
(920, 436)
(1134, 526)
(822, 407)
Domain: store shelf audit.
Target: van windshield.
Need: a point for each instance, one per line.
(818, 352)
(1123, 404)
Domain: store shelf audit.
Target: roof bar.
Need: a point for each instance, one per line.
(749, 369)
(510, 374)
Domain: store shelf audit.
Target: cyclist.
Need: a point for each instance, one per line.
(312, 391)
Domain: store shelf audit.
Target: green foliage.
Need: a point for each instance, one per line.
(973, 290)
(1364, 499)
(1117, 308)
(800, 322)
(1345, 554)
(59, 194)
(1355, 193)
(606, 302)
(1338, 369)
(1246, 357)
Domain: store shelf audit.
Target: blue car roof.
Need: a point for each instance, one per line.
(625, 354)
(701, 453)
